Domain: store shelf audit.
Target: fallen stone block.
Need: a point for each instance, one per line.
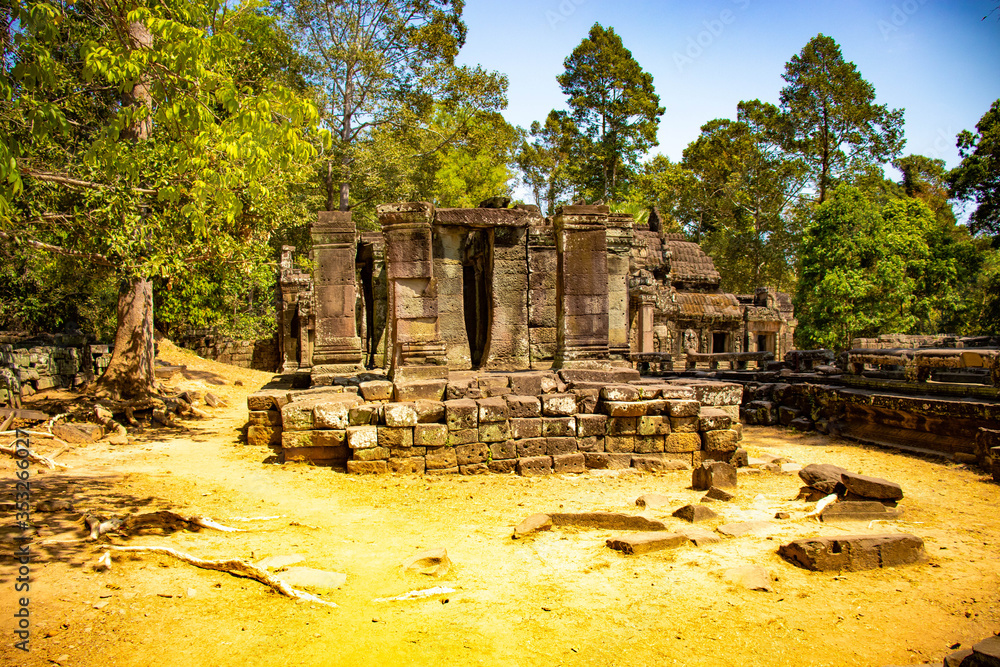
(871, 487)
(641, 543)
(824, 477)
(535, 523)
(695, 513)
(955, 659)
(854, 553)
(652, 500)
(984, 654)
(855, 510)
(264, 436)
(606, 521)
(715, 493)
(713, 473)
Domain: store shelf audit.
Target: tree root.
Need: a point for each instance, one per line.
(234, 566)
(33, 457)
(163, 519)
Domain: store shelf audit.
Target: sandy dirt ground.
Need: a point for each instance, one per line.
(560, 598)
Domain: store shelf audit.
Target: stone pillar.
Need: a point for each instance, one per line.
(416, 351)
(645, 303)
(448, 247)
(542, 279)
(508, 346)
(581, 287)
(337, 348)
(293, 315)
(619, 236)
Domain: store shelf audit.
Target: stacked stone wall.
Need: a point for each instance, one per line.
(54, 361)
(261, 355)
(524, 423)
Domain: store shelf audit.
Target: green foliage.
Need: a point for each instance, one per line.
(615, 109)
(839, 130)
(977, 178)
(860, 269)
(545, 162)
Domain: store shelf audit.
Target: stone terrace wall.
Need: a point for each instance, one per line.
(531, 423)
(54, 361)
(261, 355)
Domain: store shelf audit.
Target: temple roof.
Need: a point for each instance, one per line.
(688, 262)
(701, 305)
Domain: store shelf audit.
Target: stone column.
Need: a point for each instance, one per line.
(448, 245)
(337, 347)
(508, 347)
(542, 308)
(645, 304)
(416, 351)
(619, 235)
(581, 287)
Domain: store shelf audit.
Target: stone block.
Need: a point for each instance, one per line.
(621, 425)
(558, 405)
(591, 425)
(718, 393)
(684, 424)
(623, 409)
(683, 408)
(531, 447)
(503, 450)
(296, 439)
(399, 415)
(367, 467)
(682, 442)
(824, 477)
(713, 473)
(494, 431)
(265, 418)
(713, 419)
(523, 407)
(77, 432)
(392, 436)
(463, 437)
(442, 471)
(461, 414)
(593, 443)
(715, 493)
(556, 446)
(492, 410)
(476, 452)
(263, 436)
(525, 428)
(315, 455)
(657, 425)
(503, 466)
(648, 444)
(558, 427)
(494, 385)
(298, 416)
(620, 393)
(985, 653)
(535, 523)
(362, 437)
(676, 392)
(858, 510)
(474, 469)
(526, 385)
(336, 438)
(802, 423)
(407, 466)
(361, 415)
(586, 399)
(429, 412)
(619, 444)
(569, 463)
(334, 412)
(854, 552)
(608, 460)
(374, 454)
(430, 435)
(695, 513)
(720, 441)
(606, 521)
(534, 466)
(657, 463)
(376, 390)
(441, 458)
(414, 390)
(871, 487)
(787, 415)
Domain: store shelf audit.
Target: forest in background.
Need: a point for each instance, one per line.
(155, 156)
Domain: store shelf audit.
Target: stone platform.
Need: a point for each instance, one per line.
(529, 423)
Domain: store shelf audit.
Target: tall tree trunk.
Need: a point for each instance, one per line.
(345, 138)
(331, 200)
(130, 371)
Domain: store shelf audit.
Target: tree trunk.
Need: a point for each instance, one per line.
(331, 200)
(130, 372)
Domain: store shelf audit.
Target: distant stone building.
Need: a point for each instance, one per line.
(444, 290)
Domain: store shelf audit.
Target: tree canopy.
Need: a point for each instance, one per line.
(977, 178)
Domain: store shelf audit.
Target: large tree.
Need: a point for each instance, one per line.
(977, 178)
(615, 108)
(140, 130)
(544, 162)
(840, 129)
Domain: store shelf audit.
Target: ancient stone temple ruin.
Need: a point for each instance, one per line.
(474, 340)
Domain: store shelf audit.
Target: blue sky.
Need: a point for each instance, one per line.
(936, 59)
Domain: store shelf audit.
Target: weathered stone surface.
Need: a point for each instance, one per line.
(984, 654)
(737, 529)
(362, 437)
(619, 393)
(558, 427)
(718, 393)
(493, 410)
(298, 415)
(619, 444)
(414, 465)
(695, 513)
(263, 436)
(266, 399)
(824, 477)
(556, 446)
(430, 435)
(606, 521)
(682, 442)
(503, 466)
(590, 425)
(413, 390)
(474, 469)
(361, 415)
(503, 450)
(786, 415)
(871, 487)
(522, 428)
(494, 431)
(315, 455)
(713, 473)
(464, 437)
(265, 418)
(641, 543)
(649, 444)
(621, 425)
(713, 419)
(656, 463)
(376, 390)
(715, 493)
(291, 439)
(684, 424)
(429, 412)
(623, 409)
(657, 425)
(558, 405)
(440, 458)
(569, 463)
(854, 552)
(522, 407)
(535, 523)
(372, 454)
(586, 399)
(526, 384)
(534, 466)
(390, 436)
(698, 535)
(855, 510)
(652, 500)
(802, 423)
(591, 444)
(750, 577)
(531, 447)
(476, 452)
(608, 460)
(494, 385)
(399, 414)
(720, 441)
(461, 414)
(367, 467)
(442, 471)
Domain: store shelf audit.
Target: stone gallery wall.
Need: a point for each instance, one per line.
(53, 361)
(261, 355)
(531, 423)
